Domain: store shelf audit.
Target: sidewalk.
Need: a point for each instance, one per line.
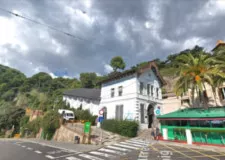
(64, 145)
(194, 146)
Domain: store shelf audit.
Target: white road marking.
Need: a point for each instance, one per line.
(125, 146)
(112, 151)
(43, 144)
(90, 157)
(72, 158)
(29, 148)
(131, 144)
(65, 155)
(39, 152)
(119, 148)
(50, 157)
(101, 154)
(137, 142)
(23, 146)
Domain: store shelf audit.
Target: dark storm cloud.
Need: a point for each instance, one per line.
(136, 30)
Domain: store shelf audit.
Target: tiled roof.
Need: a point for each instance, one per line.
(84, 93)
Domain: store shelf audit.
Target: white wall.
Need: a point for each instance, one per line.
(92, 105)
(149, 78)
(131, 98)
(129, 89)
(128, 108)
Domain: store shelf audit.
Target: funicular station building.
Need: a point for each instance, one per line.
(195, 125)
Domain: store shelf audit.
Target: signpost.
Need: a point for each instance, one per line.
(87, 132)
(87, 127)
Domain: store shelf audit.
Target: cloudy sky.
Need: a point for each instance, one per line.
(137, 30)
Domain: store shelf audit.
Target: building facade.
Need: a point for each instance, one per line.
(133, 95)
(195, 125)
(83, 98)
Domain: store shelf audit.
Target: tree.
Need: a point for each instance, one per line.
(117, 63)
(195, 73)
(88, 80)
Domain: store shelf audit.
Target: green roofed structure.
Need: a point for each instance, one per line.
(195, 125)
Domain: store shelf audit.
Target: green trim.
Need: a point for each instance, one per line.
(212, 112)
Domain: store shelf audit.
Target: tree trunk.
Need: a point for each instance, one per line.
(214, 94)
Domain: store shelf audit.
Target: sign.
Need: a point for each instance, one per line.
(101, 112)
(157, 111)
(87, 127)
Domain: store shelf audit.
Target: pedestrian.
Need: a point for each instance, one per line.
(157, 133)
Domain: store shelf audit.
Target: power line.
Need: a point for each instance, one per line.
(51, 27)
(48, 26)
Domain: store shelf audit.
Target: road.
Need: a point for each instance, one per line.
(133, 149)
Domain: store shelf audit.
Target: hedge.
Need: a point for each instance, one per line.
(122, 127)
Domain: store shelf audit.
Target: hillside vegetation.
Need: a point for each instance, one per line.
(41, 91)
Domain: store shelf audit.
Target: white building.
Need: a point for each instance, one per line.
(133, 95)
(83, 98)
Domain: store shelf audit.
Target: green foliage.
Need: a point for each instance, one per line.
(88, 80)
(195, 72)
(50, 123)
(24, 120)
(31, 128)
(124, 128)
(11, 117)
(117, 63)
(84, 115)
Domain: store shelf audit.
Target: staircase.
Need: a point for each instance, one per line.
(98, 136)
(145, 134)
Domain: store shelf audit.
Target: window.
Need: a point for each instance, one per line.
(183, 123)
(157, 92)
(120, 90)
(141, 87)
(204, 123)
(142, 110)
(112, 92)
(194, 123)
(222, 93)
(218, 123)
(152, 90)
(148, 89)
(119, 112)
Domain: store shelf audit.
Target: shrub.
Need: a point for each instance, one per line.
(24, 120)
(122, 127)
(50, 123)
(32, 127)
(84, 115)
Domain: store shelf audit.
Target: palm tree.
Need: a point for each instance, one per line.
(219, 60)
(194, 73)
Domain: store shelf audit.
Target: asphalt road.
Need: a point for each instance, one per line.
(133, 149)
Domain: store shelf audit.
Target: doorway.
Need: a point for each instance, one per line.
(150, 115)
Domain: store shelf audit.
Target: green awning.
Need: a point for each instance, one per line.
(212, 112)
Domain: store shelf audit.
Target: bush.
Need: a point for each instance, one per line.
(32, 127)
(122, 127)
(50, 123)
(84, 115)
(24, 120)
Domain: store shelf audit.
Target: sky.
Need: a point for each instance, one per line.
(137, 30)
